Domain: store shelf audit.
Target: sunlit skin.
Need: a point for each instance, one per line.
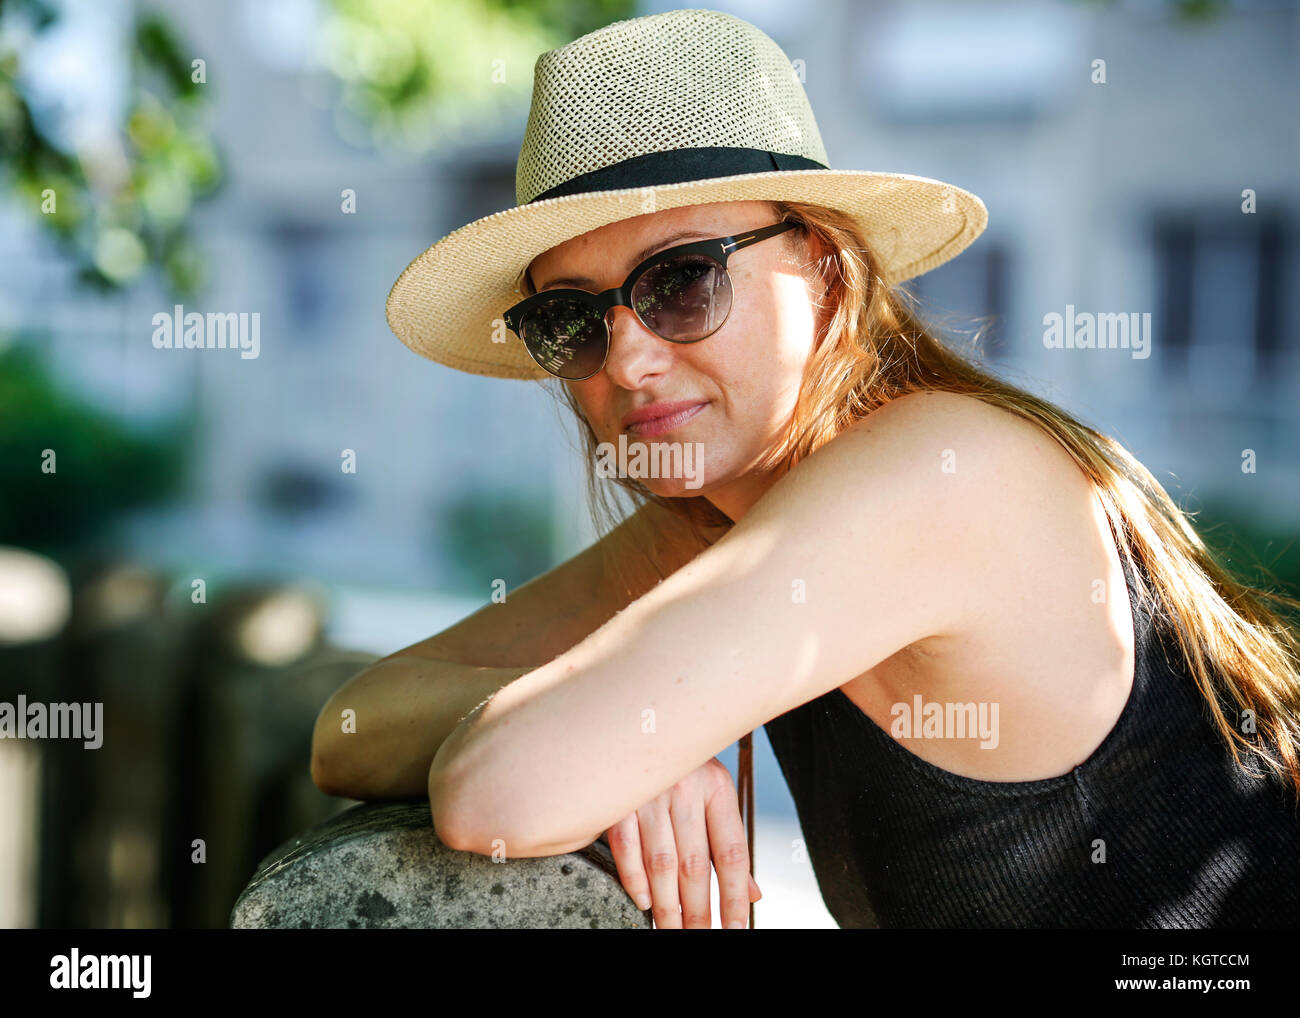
(749, 370)
(961, 585)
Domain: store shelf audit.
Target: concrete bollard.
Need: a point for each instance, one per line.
(380, 865)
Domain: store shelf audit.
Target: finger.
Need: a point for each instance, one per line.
(694, 871)
(754, 893)
(624, 840)
(730, 851)
(659, 850)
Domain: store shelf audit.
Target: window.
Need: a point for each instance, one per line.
(1222, 328)
(303, 250)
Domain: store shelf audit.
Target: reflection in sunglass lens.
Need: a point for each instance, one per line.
(566, 337)
(684, 298)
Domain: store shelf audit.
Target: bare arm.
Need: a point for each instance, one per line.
(406, 704)
(897, 550)
(402, 709)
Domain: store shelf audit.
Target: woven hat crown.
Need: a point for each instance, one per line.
(689, 107)
(683, 79)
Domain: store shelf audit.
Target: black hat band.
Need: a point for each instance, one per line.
(679, 166)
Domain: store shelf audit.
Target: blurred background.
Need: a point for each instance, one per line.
(210, 544)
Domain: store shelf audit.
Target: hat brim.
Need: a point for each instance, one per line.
(448, 302)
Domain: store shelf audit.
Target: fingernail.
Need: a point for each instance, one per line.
(642, 902)
(737, 924)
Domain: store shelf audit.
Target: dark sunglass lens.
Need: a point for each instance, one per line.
(684, 298)
(566, 337)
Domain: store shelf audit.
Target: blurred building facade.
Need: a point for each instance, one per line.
(1113, 195)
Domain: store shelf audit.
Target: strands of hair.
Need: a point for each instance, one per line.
(873, 347)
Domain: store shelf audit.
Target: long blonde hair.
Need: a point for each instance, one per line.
(873, 348)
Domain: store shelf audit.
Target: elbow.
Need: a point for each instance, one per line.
(320, 776)
(323, 770)
(333, 770)
(466, 821)
(488, 829)
(448, 819)
(323, 762)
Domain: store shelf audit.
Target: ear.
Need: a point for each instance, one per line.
(820, 257)
(818, 265)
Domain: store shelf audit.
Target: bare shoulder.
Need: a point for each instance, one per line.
(928, 500)
(1018, 514)
(1030, 634)
(972, 424)
(1015, 465)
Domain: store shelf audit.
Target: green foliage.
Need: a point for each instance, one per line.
(121, 209)
(103, 468)
(1256, 554)
(414, 73)
(496, 534)
(1184, 10)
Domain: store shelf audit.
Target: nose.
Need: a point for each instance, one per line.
(635, 353)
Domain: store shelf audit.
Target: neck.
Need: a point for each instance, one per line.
(738, 497)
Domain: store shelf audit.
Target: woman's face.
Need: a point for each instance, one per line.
(744, 377)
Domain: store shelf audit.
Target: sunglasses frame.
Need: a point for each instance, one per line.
(719, 249)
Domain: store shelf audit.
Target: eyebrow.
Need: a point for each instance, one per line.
(580, 282)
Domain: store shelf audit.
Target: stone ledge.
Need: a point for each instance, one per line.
(380, 865)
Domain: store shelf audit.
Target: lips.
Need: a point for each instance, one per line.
(660, 417)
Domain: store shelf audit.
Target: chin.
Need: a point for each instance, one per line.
(673, 487)
(696, 477)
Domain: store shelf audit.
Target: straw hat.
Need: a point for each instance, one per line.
(643, 115)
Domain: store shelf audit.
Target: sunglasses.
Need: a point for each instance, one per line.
(681, 294)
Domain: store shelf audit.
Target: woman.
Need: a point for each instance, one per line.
(1090, 722)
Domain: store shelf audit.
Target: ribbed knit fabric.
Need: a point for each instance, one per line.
(1190, 840)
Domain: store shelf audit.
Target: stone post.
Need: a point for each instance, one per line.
(381, 865)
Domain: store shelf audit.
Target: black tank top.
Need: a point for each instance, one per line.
(1189, 839)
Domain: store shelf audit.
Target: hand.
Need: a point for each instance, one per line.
(676, 835)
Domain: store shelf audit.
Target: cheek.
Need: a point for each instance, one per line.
(592, 399)
(768, 339)
(794, 318)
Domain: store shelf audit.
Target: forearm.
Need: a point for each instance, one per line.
(377, 736)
